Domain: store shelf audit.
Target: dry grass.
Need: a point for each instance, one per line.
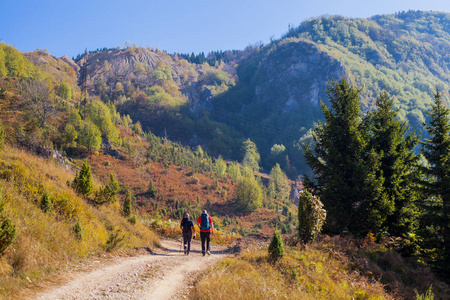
(46, 242)
(333, 268)
(299, 275)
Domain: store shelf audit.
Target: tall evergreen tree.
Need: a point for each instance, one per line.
(344, 169)
(436, 150)
(127, 204)
(392, 141)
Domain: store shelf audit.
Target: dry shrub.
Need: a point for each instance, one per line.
(193, 180)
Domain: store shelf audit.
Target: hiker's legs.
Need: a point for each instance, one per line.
(185, 239)
(189, 238)
(203, 236)
(208, 239)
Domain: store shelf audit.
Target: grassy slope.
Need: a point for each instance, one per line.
(46, 242)
(332, 268)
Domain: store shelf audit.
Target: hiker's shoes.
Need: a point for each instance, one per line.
(209, 253)
(203, 252)
(185, 251)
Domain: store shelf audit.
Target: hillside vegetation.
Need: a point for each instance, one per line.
(55, 138)
(332, 268)
(51, 237)
(162, 135)
(271, 93)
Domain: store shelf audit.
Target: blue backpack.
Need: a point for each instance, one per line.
(204, 225)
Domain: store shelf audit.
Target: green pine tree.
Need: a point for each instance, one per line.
(78, 230)
(127, 204)
(152, 192)
(46, 203)
(436, 150)
(390, 139)
(343, 166)
(276, 247)
(82, 182)
(108, 193)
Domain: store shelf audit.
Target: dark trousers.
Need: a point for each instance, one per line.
(187, 236)
(205, 236)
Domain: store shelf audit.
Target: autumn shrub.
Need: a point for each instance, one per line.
(311, 216)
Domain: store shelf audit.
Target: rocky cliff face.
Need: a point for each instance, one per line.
(137, 66)
(295, 74)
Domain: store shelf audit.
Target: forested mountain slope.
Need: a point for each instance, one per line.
(271, 93)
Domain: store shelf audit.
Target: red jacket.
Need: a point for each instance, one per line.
(199, 220)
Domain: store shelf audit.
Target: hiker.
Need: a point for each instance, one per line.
(206, 230)
(187, 226)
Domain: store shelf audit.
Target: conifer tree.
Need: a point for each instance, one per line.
(127, 204)
(107, 194)
(343, 166)
(436, 150)
(78, 230)
(46, 203)
(152, 190)
(82, 182)
(399, 168)
(276, 247)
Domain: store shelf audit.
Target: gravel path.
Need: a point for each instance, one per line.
(168, 274)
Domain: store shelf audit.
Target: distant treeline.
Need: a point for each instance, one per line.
(104, 49)
(211, 58)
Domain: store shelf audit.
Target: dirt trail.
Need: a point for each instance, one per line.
(168, 274)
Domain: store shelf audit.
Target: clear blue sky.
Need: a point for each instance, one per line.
(68, 27)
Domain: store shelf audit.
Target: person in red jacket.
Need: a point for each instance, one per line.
(206, 225)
